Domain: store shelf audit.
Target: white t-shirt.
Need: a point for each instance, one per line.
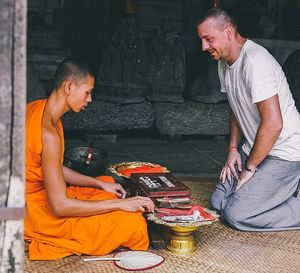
(256, 76)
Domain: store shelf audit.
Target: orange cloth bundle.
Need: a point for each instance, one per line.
(142, 169)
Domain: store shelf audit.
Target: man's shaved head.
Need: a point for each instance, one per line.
(221, 18)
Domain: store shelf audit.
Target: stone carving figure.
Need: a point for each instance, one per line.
(110, 69)
(123, 66)
(207, 87)
(167, 68)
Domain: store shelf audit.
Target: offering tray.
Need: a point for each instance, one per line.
(126, 168)
(181, 240)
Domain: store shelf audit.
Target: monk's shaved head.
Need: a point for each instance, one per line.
(71, 69)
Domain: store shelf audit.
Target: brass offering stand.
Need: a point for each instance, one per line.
(179, 236)
(182, 240)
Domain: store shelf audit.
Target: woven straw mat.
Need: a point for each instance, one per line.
(219, 249)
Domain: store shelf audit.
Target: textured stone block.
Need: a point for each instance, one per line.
(102, 116)
(191, 118)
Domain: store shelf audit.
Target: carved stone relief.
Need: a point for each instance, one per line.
(123, 68)
(167, 66)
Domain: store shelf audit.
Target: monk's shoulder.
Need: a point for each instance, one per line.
(50, 134)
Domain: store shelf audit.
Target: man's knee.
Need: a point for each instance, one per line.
(215, 201)
(235, 215)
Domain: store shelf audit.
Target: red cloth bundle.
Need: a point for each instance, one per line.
(142, 169)
(177, 212)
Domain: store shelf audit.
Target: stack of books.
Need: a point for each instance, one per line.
(170, 195)
(163, 188)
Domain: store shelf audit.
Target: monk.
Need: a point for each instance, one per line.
(67, 212)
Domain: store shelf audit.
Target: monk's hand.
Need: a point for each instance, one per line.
(229, 169)
(138, 203)
(244, 178)
(114, 188)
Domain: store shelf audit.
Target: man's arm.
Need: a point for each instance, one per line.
(268, 131)
(235, 132)
(55, 186)
(266, 136)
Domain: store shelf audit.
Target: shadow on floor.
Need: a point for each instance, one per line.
(185, 158)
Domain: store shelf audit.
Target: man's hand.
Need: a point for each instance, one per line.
(114, 188)
(233, 159)
(137, 203)
(244, 178)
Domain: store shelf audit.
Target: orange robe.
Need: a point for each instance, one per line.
(53, 237)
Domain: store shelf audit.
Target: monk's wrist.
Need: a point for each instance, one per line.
(118, 204)
(97, 183)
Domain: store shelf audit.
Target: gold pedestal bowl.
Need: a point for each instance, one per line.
(179, 237)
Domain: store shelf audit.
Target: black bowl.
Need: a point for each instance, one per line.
(75, 158)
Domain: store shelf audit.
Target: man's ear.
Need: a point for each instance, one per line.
(68, 87)
(229, 32)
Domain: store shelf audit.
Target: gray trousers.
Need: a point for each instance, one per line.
(266, 202)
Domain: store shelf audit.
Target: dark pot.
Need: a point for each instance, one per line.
(75, 158)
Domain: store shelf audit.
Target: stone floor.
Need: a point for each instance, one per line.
(197, 157)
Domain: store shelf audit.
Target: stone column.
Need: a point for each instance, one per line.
(12, 109)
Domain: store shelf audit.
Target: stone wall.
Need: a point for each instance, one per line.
(151, 71)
